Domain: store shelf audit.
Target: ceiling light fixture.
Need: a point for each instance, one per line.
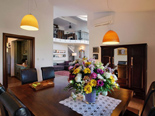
(29, 22)
(70, 26)
(110, 37)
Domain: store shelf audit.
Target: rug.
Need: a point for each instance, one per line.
(62, 73)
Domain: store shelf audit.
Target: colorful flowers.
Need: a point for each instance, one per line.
(100, 83)
(78, 77)
(77, 70)
(88, 75)
(94, 75)
(86, 70)
(100, 71)
(93, 83)
(88, 89)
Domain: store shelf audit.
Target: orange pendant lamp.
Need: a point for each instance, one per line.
(29, 22)
(110, 37)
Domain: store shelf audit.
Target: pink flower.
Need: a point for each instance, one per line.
(93, 75)
(100, 83)
(70, 67)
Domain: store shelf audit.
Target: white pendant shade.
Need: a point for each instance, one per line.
(29, 22)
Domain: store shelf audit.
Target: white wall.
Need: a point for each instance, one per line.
(131, 28)
(11, 13)
(83, 47)
(59, 46)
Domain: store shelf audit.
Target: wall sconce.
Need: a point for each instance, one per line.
(82, 48)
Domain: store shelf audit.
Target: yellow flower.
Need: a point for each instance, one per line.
(77, 70)
(88, 89)
(86, 70)
(116, 85)
(84, 58)
(87, 63)
(93, 83)
(112, 79)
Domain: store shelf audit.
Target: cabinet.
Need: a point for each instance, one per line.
(135, 70)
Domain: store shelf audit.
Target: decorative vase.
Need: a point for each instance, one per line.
(91, 97)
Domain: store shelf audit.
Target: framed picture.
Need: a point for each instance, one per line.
(95, 49)
(122, 51)
(95, 56)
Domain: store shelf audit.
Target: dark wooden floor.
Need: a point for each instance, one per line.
(13, 81)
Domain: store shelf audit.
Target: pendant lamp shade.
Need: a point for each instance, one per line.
(29, 22)
(110, 37)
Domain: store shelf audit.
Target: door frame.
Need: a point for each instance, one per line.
(5, 37)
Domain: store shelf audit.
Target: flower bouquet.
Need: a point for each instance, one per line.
(90, 78)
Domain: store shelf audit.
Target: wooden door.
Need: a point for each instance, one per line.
(137, 61)
(107, 56)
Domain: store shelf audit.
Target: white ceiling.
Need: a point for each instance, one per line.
(80, 7)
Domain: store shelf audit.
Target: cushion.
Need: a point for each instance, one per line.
(66, 62)
(60, 63)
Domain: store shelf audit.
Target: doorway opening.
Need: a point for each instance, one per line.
(18, 53)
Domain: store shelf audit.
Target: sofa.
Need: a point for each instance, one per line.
(61, 66)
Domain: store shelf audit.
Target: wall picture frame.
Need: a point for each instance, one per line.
(95, 49)
(95, 56)
(122, 51)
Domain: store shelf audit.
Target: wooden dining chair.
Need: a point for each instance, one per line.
(47, 73)
(149, 104)
(29, 75)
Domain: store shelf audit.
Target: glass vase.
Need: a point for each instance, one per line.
(91, 97)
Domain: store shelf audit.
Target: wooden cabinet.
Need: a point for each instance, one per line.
(136, 67)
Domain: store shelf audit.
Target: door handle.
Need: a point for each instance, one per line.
(131, 61)
(109, 60)
(112, 60)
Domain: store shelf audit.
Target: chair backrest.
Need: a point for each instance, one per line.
(11, 106)
(29, 75)
(149, 104)
(47, 73)
(2, 89)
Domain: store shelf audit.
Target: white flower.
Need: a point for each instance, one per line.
(99, 76)
(115, 77)
(104, 80)
(80, 67)
(107, 75)
(78, 77)
(73, 96)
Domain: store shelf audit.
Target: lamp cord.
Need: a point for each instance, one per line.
(112, 16)
(29, 7)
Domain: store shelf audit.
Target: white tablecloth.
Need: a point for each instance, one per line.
(104, 105)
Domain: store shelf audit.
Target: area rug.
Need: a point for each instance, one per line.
(62, 73)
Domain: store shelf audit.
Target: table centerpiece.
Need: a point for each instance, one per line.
(90, 78)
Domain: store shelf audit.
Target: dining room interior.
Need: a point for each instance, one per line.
(77, 58)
